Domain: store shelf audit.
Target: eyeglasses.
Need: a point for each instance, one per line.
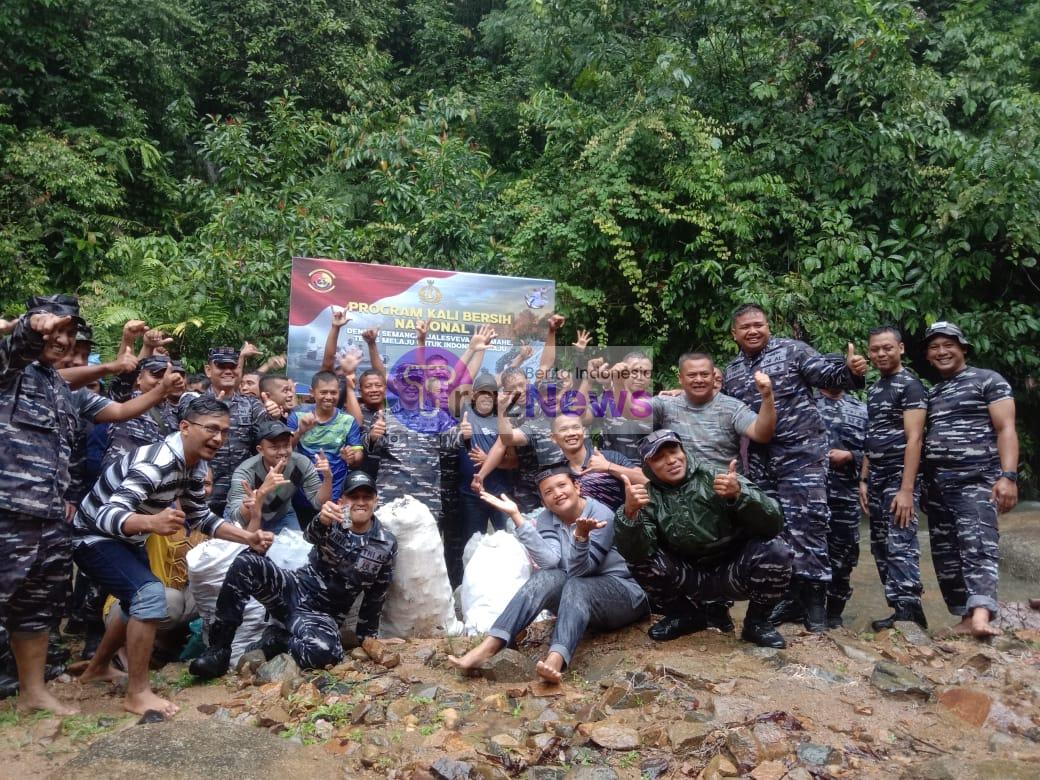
(212, 430)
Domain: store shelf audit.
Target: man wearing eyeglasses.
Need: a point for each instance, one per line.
(156, 489)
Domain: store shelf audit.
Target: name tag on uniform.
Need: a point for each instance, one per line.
(774, 361)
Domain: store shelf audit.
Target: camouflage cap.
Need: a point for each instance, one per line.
(223, 355)
(154, 364)
(943, 328)
(85, 334)
(649, 445)
(60, 305)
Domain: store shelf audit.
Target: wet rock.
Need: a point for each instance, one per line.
(564, 730)
(426, 691)
(548, 715)
(685, 735)
(279, 669)
(507, 741)
(272, 715)
(591, 773)
(545, 773)
(799, 773)
(614, 737)
(400, 709)
(380, 686)
(507, 666)
(589, 713)
(855, 652)
(390, 660)
(742, 745)
(719, 766)
(250, 662)
(654, 736)
(980, 662)
(937, 769)
(376, 716)
(772, 741)
(815, 755)
(967, 704)
(450, 769)
(151, 716)
(308, 695)
(769, 770)
(635, 689)
(426, 655)
(357, 715)
(370, 755)
(359, 654)
(653, 768)
(374, 649)
(323, 729)
(734, 709)
(997, 769)
(912, 633)
(897, 680)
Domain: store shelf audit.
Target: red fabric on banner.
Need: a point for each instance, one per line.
(318, 283)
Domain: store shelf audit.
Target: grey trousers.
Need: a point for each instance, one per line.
(602, 603)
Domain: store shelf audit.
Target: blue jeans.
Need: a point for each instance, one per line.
(474, 516)
(287, 521)
(121, 568)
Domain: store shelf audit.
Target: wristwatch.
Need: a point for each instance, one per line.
(1011, 475)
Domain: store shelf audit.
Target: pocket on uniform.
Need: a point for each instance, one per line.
(34, 412)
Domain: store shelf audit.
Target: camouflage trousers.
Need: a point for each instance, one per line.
(962, 527)
(300, 600)
(896, 551)
(760, 572)
(843, 538)
(801, 490)
(34, 571)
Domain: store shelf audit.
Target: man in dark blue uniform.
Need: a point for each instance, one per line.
(793, 466)
(971, 475)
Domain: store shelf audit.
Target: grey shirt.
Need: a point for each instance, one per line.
(300, 473)
(710, 432)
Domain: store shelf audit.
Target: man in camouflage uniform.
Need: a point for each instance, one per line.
(792, 467)
(846, 421)
(353, 554)
(890, 487)
(246, 414)
(697, 534)
(971, 475)
(154, 425)
(37, 425)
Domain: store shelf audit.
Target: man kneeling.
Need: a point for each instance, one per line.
(353, 554)
(580, 576)
(692, 536)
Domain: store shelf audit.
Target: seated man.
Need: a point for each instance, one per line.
(353, 554)
(695, 535)
(580, 576)
(134, 498)
(271, 477)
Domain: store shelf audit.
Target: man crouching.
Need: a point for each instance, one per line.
(353, 554)
(693, 535)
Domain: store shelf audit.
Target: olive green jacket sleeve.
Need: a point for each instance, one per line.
(636, 539)
(756, 512)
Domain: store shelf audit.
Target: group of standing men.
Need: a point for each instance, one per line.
(744, 484)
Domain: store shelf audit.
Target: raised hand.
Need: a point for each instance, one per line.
(351, 455)
(306, 421)
(502, 503)
(556, 321)
(262, 541)
(339, 317)
(172, 382)
(349, 362)
(584, 339)
(477, 456)
(125, 362)
(370, 336)
(332, 512)
(422, 327)
(764, 384)
(525, 352)
(322, 465)
(465, 428)
(271, 407)
(133, 330)
(276, 363)
(857, 363)
(378, 429)
(727, 485)
(596, 462)
(249, 501)
(482, 338)
(46, 324)
(275, 478)
(636, 497)
(583, 526)
(155, 338)
(167, 522)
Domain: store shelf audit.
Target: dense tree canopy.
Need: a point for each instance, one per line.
(842, 163)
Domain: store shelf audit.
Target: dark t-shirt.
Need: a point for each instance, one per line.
(960, 432)
(485, 434)
(605, 488)
(887, 399)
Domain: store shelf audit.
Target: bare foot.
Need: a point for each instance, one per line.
(106, 674)
(964, 627)
(140, 703)
(548, 673)
(468, 663)
(980, 625)
(44, 700)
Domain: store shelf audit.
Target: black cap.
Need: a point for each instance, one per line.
(551, 470)
(85, 334)
(154, 364)
(357, 480)
(60, 305)
(649, 445)
(223, 355)
(943, 328)
(272, 429)
(485, 383)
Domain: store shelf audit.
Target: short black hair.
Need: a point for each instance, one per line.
(266, 380)
(323, 376)
(370, 372)
(887, 329)
(694, 356)
(743, 309)
(194, 379)
(510, 372)
(636, 354)
(206, 406)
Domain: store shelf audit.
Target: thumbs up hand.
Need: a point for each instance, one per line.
(857, 363)
(636, 497)
(465, 428)
(727, 485)
(378, 429)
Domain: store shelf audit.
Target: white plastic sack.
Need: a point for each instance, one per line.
(497, 569)
(419, 602)
(207, 567)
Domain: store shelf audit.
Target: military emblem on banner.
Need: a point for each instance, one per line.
(321, 281)
(430, 294)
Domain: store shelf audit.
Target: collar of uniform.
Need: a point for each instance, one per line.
(771, 344)
(176, 444)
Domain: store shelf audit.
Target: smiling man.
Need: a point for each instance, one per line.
(135, 497)
(971, 476)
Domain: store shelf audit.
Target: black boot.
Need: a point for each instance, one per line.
(675, 626)
(217, 658)
(834, 609)
(789, 608)
(813, 595)
(911, 611)
(717, 615)
(758, 627)
(274, 641)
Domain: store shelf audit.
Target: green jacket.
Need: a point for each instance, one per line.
(691, 521)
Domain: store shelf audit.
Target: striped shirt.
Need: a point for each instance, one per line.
(145, 481)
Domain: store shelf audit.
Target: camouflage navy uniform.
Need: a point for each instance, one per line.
(961, 465)
(792, 467)
(154, 425)
(37, 426)
(846, 421)
(313, 601)
(896, 551)
(370, 465)
(88, 405)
